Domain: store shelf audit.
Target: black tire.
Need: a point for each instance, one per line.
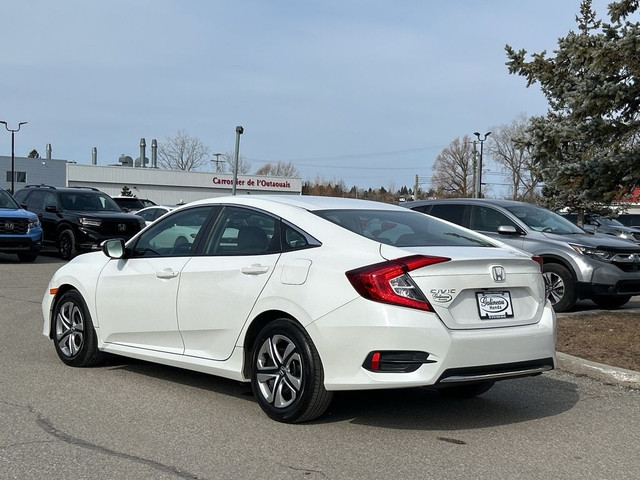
(560, 285)
(67, 244)
(27, 257)
(73, 334)
(610, 301)
(286, 374)
(466, 391)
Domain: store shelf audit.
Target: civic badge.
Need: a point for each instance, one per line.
(498, 274)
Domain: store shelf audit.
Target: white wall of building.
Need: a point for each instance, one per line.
(32, 171)
(168, 187)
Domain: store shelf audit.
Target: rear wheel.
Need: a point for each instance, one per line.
(74, 336)
(610, 301)
(561, 289)
(67, 244)
(466, 391)
(286, 375)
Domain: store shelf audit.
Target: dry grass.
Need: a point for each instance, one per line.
(612, 338)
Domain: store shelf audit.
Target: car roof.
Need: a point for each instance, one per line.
(306, 202)
(62, 189)
(478, 201)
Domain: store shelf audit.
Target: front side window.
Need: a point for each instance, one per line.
(403, 228)
(173, 236)
(487, 219)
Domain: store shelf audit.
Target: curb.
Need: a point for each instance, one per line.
(598, 371)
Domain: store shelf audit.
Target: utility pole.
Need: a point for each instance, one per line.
(475, 170)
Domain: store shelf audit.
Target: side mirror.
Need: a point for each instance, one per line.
(508, 230)
(113, 248)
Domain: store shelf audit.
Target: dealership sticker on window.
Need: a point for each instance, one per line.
(493, 305)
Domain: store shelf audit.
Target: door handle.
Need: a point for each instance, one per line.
(256, 269)
(167, 273)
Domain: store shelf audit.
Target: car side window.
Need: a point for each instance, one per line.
(21, 196)
(173, 236)
(51, 199)
(36, 200)
(243, 231)
(453, 213)
(487, 219)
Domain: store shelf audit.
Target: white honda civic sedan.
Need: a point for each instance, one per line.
(304, 296)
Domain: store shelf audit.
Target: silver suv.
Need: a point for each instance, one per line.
(577, 265)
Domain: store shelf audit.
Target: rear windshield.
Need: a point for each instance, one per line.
(403, 228)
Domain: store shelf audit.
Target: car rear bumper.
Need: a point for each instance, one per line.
(346, 337)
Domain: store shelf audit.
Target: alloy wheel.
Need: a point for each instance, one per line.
(555, 287)
(70, 329)
(279, 371)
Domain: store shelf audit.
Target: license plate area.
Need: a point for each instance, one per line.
(494, 305)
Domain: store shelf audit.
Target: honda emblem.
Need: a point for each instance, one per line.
(498, 274)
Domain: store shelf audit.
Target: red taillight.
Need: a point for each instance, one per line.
(539, 261)
(389, 282)
(375, 361)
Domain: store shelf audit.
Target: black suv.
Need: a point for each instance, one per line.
(77, 218)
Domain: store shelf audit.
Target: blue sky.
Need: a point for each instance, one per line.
(369, 92)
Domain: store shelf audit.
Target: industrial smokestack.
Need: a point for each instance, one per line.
(48, 149)
(154, 153)
(143, 146)
(94, 156)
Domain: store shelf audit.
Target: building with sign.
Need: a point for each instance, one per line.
(164, 187)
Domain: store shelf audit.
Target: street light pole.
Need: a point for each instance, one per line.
(239, 131)
(13, 156)
(479, 173)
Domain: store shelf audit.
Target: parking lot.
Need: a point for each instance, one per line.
(130, 419)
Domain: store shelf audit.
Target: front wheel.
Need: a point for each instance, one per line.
(74, 337)
(67, 244)
(610, 301)
(286, 375)
(560, 286)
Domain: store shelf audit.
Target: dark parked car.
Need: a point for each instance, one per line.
(599, 224)
(577, 265)
(132, 204)
(629, 219)
(77, 219)
(20, 231)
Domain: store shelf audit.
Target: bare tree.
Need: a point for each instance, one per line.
(182, 152)
(507, 148)
(280, 169)
(244, 167)
(453, 169)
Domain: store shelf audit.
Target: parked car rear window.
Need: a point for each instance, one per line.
(402, 229)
